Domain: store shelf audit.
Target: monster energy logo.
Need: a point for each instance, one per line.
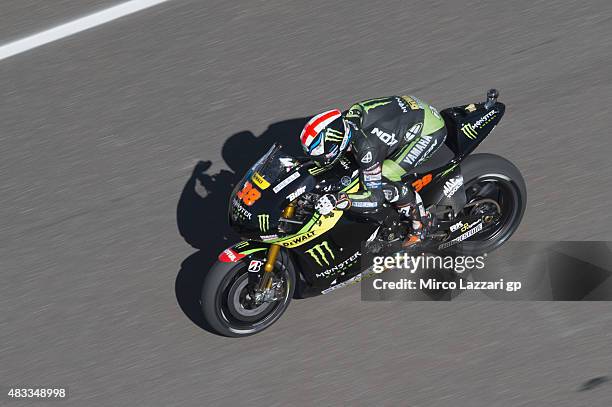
(372, 103)
(241, 245)
(333, 135)
(264, 222)
(319, 255)
(469, 131)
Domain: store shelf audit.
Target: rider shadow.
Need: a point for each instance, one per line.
(202, 208)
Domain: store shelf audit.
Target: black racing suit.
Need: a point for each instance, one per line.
(391, 136)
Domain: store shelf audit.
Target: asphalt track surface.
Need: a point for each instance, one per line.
(101, 132)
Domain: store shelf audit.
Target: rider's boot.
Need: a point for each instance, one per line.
(421, 222)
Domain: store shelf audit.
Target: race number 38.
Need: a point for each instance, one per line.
(248, 194)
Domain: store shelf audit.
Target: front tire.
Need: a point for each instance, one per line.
(223, 298)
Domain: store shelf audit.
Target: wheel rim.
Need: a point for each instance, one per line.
(236, 315)
(505, 192)
(238, 296)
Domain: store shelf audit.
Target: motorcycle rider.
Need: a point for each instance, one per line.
(388, 137)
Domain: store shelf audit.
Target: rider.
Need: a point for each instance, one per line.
(388, 137)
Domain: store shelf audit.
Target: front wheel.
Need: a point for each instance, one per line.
(227, 299)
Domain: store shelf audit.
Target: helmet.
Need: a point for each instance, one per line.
(325, 137)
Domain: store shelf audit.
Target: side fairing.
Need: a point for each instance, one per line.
(444, 188)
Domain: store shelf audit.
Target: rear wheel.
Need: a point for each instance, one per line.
(228, 302)
(496, 193)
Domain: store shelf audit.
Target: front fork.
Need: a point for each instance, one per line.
(265, 283)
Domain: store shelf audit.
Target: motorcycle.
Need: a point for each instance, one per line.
(289, 250)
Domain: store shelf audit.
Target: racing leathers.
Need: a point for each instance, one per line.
(391, 136)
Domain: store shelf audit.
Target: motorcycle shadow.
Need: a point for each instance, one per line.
(201, 213)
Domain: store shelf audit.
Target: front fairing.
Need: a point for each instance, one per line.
(259, 198)
(277, 180)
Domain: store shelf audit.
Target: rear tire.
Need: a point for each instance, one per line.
(221, 298)
(479, 168)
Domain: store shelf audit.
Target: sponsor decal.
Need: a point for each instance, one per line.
(345, 180)
(268, 237)
(354, 112)
(264, 222)
(367, 158)
(472, 230)
(412, 102)
(344, 163)
(239, 210)
(352, 280)
(485, 119)
(286, 182)
(296, 193)
(413, 132)
(340, 267)
(248, 194)
(333, 135)
(343, 204)
(401, 104)
(422, 182)
(434, 112)
(388, 139)
(391, 195)
(241, 245)
(255, 266)
(328, 188)
(230, 256)
(317, 170)
(457, 226)
(417, 150)
(259, 181)
(321, 253)
(373, 175)
(471, 129)
(366, 204)
(429, 150)
(452, 185)
(373, 184)
(299, 239)
(374, 103)
(287, 162)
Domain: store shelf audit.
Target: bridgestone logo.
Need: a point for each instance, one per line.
(464, 236)
(264, 222)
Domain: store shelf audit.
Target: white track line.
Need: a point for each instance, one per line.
(75, 26)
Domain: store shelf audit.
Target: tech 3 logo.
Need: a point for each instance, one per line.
(319, 255)
(264, 222)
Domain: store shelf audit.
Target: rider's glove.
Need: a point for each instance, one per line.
(329, 202)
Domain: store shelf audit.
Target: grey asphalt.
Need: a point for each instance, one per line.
(100, 133)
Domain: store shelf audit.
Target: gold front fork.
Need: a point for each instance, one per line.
(266, 282)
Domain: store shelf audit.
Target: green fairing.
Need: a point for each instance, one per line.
(431, 123)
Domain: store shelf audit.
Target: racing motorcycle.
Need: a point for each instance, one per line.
(291, 250)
